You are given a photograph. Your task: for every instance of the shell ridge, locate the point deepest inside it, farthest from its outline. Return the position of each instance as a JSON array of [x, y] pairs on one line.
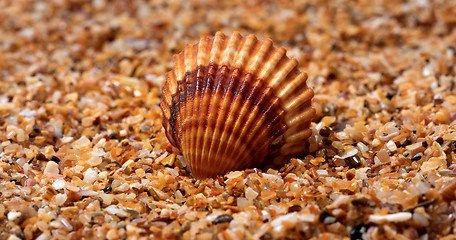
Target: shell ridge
[[175, 119], [167, 91], [263, 146], [175, 110], [267, 68], [234, 112], [284, 68], [182, 113], [189, 59], [297, 83], [195, 109], [252, 66], [299, 100], [295, 137], [191, 89], [166, 125], [220, 97], [204, 113], [179, 68], [234, 136], [296, 147], [265, 112], [212, 113], [246, 47], [296, 119], [244, 119], [217, 45], [202, 54], [184, 89], [228, 96], [220, 43], [230, 49], [198, 105], [242, 144], [263, 108], [205, 116]]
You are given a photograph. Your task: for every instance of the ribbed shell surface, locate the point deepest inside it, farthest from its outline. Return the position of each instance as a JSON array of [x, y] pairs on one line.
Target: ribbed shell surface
[[233, 102]]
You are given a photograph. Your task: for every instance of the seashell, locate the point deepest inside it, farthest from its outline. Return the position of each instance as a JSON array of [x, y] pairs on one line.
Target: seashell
[[233, 102]]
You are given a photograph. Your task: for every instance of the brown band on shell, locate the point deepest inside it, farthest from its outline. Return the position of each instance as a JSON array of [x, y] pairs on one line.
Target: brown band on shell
[[226, 82]]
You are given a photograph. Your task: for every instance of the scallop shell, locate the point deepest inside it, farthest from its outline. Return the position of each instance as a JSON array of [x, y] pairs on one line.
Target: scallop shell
[[233, 102]]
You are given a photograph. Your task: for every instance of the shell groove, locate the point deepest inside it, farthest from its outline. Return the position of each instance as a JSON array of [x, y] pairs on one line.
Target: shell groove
[[233, 102]]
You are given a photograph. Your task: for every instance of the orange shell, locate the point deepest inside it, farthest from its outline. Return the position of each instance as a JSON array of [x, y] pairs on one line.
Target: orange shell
[[233, 102]]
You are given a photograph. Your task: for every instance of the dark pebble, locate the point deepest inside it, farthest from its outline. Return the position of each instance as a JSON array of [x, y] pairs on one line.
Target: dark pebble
[[96, 121], [165, 219], [357, 232], [354, 161], [363, 202], [17, 182], [294, 208], [327, 142], [55, 159], [222, 183], [437, 99], [41, 157], [417, 157], [266, 236], [339, 126], [422, 198], [36, 166], [182, 191], [391, 94], [107, 189], [324, 217], [439, 140], [325, 131], [424, 144], [112, 136], [35, 131], [114, 164], [225, 218]]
